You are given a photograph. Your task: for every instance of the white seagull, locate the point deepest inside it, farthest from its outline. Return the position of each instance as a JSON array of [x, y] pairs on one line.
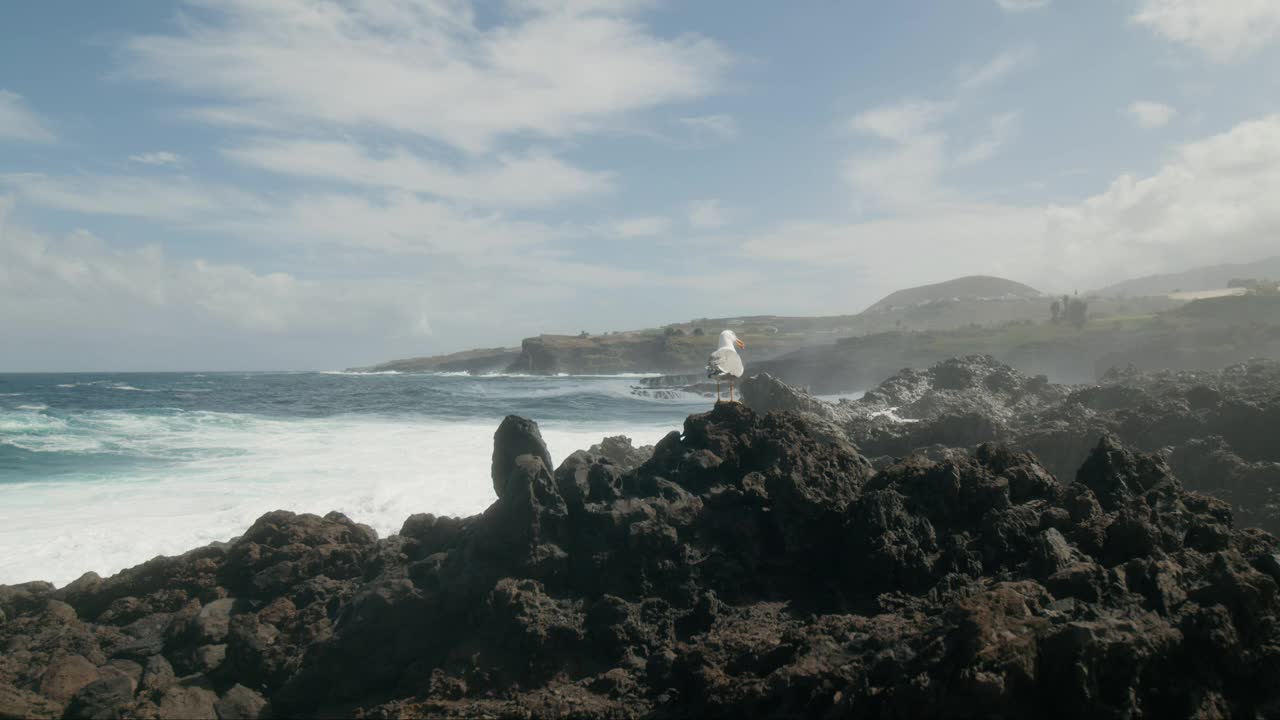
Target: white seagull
[[725, 363]]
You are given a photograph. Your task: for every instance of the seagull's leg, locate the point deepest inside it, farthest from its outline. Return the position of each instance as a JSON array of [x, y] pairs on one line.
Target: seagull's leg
[[731, 390], [717, 392]]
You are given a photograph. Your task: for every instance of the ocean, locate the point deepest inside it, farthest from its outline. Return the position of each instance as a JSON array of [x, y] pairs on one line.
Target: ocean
[[104, 471]]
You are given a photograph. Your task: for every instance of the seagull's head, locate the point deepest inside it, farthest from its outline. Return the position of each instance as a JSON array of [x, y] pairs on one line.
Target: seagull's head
[[729, 338]]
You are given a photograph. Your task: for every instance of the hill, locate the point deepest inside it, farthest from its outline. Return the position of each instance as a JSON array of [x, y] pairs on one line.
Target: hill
[[972, 287], [683, 347], [1210, 277], [1204, 334]]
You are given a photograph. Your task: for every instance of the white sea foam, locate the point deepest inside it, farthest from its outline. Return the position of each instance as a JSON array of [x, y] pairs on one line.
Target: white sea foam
[[130, 388], [360, 372], [218, 472], [37, 407], [557, 375], [19, 426], [892, 414]]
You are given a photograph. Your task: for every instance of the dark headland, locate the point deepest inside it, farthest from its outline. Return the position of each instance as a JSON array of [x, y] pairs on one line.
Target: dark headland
[[1023, 549]]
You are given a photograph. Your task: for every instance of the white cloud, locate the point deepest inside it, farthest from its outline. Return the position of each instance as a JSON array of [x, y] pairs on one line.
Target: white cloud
[[707, 214], [902, 177], [531, 179], [72, 300], [18, 122], [1225, 30], [1021, 5], [427, 69], [638, 227], [391, 223], [900, 121], [1211, 200], [394, 223], [997, 69], [908, 173], [1003, 128], [157, 158], [1150, 115], [723, 126], [79, 284], [164, 198], [944, 242]]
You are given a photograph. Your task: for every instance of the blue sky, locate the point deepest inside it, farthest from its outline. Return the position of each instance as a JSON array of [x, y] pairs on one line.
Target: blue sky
[[286, 184]]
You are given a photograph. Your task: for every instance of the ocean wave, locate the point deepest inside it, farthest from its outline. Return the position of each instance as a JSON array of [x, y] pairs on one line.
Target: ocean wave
[[130, 388], [17, 428], [361, 372], [37, 407], [572, 376], [530, 376], [223, 471]]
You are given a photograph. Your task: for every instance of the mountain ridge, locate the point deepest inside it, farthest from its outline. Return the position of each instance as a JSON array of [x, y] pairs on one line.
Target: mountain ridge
[[1204, 277]]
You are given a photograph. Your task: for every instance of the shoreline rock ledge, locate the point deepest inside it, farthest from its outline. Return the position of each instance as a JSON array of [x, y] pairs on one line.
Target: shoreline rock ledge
[[746, 568]]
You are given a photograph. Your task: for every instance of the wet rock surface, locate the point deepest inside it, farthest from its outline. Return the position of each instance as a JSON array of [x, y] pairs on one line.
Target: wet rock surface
[[749, 566]]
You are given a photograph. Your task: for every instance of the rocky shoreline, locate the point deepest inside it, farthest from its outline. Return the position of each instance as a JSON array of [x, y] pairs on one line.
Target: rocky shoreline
[[800, 562], [1218, 430]]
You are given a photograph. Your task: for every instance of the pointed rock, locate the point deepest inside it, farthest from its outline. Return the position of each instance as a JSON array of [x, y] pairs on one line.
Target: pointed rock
[[516, 436]]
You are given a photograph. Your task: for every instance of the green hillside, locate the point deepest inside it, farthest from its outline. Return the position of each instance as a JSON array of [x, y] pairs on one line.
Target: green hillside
[[972, 287]]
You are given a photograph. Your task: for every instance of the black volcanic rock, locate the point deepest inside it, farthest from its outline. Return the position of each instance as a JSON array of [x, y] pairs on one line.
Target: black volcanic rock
[[749, 567], [619, 450], [1216, 430], [516, 436], [970, 385]]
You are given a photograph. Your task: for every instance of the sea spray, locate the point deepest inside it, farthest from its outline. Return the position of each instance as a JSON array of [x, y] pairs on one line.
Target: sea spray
[[98, 479]]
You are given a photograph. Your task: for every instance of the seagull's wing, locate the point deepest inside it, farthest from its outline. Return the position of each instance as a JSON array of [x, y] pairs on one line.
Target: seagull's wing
[[725, 361]]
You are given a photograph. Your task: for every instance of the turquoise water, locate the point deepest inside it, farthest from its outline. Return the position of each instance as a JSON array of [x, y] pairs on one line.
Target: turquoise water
[[102, 471]]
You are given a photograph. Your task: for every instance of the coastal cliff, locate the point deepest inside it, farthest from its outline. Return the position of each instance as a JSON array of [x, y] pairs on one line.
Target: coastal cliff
[[632, 353], [847, 353], [753, 563]]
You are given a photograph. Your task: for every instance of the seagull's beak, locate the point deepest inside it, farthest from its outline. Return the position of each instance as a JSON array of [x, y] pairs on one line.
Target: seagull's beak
[[739, 343]]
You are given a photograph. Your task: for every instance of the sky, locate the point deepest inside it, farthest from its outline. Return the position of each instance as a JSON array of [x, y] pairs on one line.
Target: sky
[[301, 184]]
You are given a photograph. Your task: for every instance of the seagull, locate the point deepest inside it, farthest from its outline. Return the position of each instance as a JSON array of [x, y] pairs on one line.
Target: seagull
[[725, 363]]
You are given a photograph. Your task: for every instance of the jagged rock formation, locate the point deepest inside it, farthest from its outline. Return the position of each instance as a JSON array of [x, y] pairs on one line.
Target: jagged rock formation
[[619, 450], [746, 568], [1217, 429]]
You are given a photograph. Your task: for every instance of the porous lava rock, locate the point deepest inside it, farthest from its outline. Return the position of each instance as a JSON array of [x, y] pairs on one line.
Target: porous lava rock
[[749, 567]]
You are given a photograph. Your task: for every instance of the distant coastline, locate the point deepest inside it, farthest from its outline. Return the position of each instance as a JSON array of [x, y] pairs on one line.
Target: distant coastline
[[844, 353]]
